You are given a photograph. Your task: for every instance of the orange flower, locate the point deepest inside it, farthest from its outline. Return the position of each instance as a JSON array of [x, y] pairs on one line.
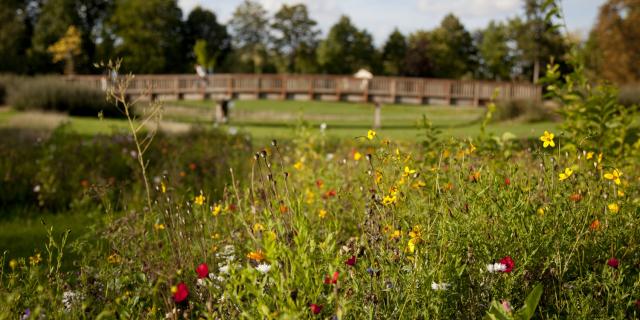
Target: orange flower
[[256, 255], [576, 197], [595, 225], [283, 208]]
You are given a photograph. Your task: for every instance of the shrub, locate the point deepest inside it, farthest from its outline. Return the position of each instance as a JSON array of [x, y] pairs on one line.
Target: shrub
[[524, 110], [52, 94]]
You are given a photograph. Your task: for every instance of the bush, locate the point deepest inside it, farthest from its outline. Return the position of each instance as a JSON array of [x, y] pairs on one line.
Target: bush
[[52, 94], [629, 95], [524, 110]]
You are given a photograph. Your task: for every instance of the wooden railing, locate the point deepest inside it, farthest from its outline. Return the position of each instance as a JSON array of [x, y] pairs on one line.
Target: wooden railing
[[318, 87]]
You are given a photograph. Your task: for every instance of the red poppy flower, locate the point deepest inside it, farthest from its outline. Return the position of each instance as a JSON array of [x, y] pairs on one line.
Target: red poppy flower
[[507, 181], [329, 194], [181, 293], [351, 261], [233, 207], [319, 183], [507, 261], [202, 270], [613, 263], [331, 280], [315, 308]]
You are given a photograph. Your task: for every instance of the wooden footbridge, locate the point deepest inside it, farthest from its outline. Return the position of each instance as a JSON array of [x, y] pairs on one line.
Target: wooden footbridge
[[318, 87]]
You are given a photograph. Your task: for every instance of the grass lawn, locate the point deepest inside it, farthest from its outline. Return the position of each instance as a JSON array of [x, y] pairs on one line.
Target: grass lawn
[[265, 119]]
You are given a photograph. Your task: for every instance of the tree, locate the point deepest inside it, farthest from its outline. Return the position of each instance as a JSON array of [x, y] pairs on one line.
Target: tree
[[537, 39], [250, 29], [54, 19], [617, 39], [209, 40], [393, 53], [14, 37], [67, 49], [495, 54], [417, 61], [294, 37], [346, 49], [452, 51], [149, 33]]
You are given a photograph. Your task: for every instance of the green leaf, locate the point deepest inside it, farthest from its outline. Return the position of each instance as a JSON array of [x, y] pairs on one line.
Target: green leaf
[[530, 304]]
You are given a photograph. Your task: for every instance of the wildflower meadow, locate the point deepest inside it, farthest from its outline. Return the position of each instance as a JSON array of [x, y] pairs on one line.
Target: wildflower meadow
[[214, 225]]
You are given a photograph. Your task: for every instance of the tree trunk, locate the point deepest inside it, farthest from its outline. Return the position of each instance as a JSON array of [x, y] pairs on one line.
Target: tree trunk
[[536, 71]]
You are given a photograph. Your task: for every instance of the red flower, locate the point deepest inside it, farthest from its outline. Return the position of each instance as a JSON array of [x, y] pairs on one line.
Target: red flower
[[331, 280], [613, 263], [315, 308], [319, 183], [351, 261], [576, 197], [329, 194], [507, 181], [181, 293], [202, 270], [507, 261]]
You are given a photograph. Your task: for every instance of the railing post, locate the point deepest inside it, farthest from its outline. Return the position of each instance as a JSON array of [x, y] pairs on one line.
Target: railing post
[[283, 89], [310, 89], [476, 94], [393, 90], [448, 87]]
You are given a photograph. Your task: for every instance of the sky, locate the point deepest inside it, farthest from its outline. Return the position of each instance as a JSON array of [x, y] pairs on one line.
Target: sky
[[380, 17]]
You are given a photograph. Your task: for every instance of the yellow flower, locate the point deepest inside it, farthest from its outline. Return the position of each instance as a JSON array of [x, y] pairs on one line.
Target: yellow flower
[[589, 155], [378, 176], [566, 174], [158, 226], [620, 193], [408, 171], [547, 139], [357, 155], [310, 196], [411, 245], [388, 200], [614, 175], [371, 134], [13, 264], [256, 255], [35, 260], [418, 184], [257, 228], [322, 213], [541, 211], [174, 289], [395, 235], [114, 258], [613, 207], [416, 233], [298, 165], [216, 210], [472, 148], [199, 200], [163, 187]]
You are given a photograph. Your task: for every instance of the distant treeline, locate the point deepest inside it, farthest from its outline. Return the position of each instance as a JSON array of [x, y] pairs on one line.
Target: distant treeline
[[153, 36]]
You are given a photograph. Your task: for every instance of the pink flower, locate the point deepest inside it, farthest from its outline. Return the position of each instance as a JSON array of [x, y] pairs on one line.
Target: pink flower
[[315, 308], [351, 261], [202, 270], [613, 263], [508, 262]]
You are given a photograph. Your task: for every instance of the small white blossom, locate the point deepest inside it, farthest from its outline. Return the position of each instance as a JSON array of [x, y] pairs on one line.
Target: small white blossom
[[496, 267], [440, 286], [263, 267], [36, 189], [323, 127], [200, 282], [233, 131], [224, 269]]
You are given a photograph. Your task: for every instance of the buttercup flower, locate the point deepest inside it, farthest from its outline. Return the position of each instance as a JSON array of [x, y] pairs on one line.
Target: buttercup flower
[[547, 139], [216, 209], [298, 165], [202, 270], [322, 213], [614, 176], [357, 155], [371, 134], [199, 200], [408, 171], [158, 226], [613, 207], [35, 259], [566, 174]]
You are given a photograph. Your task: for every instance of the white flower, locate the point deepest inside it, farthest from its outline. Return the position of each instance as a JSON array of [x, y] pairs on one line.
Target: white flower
[[224, 269], [200, 282], [323, 127], [233, 131], [69, 298], [496, 267], [440, 286], [36, 189], [329, 156], [263, 267]]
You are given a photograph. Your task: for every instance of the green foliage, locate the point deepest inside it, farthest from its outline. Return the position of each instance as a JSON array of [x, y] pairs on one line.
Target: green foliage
[[495, 54], [295, 35], [526, 111], [394, 52], [502, 311], [347, 49], [250, 29], [203, 31], [150, 34]]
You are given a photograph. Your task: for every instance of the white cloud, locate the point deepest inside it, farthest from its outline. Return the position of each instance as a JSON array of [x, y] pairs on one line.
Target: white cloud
[[468, 8]]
